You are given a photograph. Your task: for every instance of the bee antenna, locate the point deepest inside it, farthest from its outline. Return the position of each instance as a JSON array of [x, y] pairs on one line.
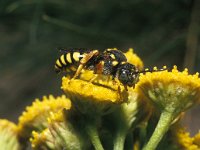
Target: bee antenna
[[152, 70], [60, 49]]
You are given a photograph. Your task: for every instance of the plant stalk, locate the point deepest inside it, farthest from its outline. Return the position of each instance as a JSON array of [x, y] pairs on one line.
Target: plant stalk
[[120, 139], [162, 127], [94, 136]]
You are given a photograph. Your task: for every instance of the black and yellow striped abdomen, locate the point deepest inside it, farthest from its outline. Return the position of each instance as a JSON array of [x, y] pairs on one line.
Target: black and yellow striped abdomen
[[69, 61]]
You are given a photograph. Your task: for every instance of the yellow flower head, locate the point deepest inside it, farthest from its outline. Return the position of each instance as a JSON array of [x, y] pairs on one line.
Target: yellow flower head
[[172, 91], [5, 124], [60, 134], [185, 142], [93, 97], [35, 116], [197, 139], [45, 138], [8, 135], [134, 59], [56, 117], [39, 140]]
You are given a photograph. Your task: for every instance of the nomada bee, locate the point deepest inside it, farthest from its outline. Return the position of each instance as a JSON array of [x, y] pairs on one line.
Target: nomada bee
[[110, 62]]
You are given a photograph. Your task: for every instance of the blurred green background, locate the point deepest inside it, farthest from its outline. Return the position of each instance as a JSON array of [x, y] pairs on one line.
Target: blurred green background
[[161, 33]]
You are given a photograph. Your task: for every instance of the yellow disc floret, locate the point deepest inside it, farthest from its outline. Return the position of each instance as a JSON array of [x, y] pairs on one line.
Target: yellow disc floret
[[91, 97], [197, 139], [60, 134], [170, 90], [185, 141], [35, 116], [134, 59]]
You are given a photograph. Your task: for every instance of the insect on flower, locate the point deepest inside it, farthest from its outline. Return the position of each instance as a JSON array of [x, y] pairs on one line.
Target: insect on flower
[[110, 62]]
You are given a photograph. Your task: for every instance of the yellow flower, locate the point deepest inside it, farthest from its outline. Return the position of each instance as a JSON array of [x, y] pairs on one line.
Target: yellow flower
[[39, 139], [185, 142], [59, 135], [134, 59], [93, 97], [170, 90], [8, 136], [35, 116], [197, 139]]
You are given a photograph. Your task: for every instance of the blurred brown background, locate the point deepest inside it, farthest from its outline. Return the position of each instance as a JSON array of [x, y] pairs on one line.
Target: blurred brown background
[[161, 32]]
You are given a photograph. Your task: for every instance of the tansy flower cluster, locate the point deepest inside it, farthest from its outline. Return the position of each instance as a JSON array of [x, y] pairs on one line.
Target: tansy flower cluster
[[185, 141], [103, 115]]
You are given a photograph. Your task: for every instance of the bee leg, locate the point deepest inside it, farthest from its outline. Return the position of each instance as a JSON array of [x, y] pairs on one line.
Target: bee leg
[[108, 79], [78, 71], [118, 87], [119, 92], [83, 61], [114, 82], [125, 87], [98, 71], [93, 78]]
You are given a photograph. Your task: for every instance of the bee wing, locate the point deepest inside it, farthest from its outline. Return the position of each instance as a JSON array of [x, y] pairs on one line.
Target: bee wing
[[67, 50]]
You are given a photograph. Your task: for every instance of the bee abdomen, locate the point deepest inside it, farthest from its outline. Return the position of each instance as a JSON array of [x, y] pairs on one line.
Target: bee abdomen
[[67, 62]]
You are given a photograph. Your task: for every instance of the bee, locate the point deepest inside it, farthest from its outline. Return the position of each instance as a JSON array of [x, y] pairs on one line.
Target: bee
[[110, 62]]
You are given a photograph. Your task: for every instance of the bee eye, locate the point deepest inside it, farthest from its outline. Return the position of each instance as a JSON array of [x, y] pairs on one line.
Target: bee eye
[[123, 72]]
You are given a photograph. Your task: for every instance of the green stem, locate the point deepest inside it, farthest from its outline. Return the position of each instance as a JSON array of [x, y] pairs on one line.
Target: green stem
[[120, 139], [94, 136], [163, 125]]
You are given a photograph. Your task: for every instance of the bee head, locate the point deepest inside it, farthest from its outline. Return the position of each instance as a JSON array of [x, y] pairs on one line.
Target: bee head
[[128, 74]]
